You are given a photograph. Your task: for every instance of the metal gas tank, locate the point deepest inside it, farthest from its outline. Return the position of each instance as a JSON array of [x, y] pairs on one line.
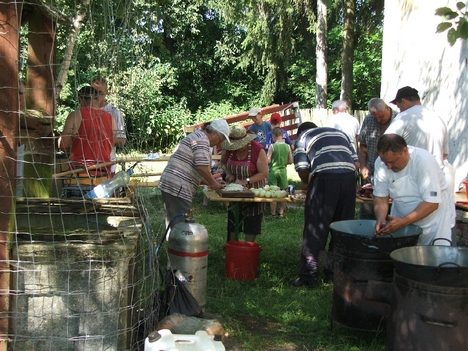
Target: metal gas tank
[[188, 257]]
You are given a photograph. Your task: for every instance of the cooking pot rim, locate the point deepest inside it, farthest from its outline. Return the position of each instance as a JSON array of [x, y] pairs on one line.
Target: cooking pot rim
[[415, 252], [407, 231]]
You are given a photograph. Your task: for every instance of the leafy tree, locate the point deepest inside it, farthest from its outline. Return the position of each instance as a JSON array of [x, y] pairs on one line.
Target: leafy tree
[[455, 21]]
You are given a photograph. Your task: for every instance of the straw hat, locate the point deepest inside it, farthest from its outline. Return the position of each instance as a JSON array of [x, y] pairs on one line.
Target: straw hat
[[239, 138]]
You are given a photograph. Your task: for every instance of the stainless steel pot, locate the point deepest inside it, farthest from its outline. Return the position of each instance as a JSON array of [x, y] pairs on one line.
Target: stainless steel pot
[[437, 265], [357, 236]]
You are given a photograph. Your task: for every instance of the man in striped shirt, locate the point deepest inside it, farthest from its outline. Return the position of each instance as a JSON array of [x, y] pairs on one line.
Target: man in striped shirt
[[326, 163]]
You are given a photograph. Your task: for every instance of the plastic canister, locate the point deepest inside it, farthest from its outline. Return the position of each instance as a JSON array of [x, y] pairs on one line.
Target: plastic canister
[[164, 340]]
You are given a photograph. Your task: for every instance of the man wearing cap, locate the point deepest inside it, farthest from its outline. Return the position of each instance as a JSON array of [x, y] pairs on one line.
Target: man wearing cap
[[275, 121], [418, 125], [188, 167], [259, 127], [343, 121]]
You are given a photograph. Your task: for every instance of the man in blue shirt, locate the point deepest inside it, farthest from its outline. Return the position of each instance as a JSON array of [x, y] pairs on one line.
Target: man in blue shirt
[[259, 127], [326, 162]]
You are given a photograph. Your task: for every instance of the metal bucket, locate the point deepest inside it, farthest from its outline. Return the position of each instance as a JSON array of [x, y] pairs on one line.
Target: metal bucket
[[359, 256]]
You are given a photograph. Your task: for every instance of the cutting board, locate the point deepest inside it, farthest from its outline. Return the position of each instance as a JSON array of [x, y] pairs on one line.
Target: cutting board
[[246, 193]]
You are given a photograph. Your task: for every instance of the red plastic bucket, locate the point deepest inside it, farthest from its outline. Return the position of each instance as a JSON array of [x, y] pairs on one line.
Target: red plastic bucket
[[242, 259]]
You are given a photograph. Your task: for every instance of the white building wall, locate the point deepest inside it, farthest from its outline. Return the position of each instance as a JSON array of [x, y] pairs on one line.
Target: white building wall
[[415, 55]]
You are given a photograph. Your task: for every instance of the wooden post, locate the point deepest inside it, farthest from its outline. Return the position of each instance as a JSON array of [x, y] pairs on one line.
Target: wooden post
[[40, 150], [9, 106]]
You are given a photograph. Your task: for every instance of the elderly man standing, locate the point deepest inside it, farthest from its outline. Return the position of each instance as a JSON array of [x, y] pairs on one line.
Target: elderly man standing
[[343, 121], [419, 126], [374, 125], [415, 182], [100, 84], [259, 126]]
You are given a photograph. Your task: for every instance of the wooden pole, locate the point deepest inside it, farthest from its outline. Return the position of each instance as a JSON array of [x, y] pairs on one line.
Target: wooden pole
[[40, 82], [9, 121]]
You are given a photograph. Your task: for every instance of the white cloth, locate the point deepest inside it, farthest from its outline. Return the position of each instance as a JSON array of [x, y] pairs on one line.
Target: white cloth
[[115, 112], [421, 180], [421, 127], [347, 124]]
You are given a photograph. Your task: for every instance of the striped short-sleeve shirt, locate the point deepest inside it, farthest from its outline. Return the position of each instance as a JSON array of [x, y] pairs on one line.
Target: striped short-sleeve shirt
[[325, 150], [180, 177]]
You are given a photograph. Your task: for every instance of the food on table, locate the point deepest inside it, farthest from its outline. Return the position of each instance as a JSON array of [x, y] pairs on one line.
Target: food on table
[[234, 187], [269, 191]]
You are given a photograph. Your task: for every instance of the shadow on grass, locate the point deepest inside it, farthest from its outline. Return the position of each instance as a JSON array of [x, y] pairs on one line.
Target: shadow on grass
[[268, 313]]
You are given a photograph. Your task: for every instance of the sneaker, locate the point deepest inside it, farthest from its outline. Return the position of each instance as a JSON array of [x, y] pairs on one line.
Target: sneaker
[[298, 282]]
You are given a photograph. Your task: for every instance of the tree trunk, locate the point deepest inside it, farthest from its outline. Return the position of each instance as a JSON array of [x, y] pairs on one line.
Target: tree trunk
[[321, 56], [69, 51], [347, 56]]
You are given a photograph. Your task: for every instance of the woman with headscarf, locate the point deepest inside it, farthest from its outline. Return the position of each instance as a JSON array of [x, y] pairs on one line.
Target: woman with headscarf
[[245, 162]]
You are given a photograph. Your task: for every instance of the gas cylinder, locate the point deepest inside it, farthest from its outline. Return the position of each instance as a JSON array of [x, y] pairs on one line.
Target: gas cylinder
[[188, 257]]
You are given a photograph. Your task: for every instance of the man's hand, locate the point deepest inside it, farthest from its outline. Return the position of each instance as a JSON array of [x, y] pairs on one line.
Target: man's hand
[[364, 172], [392, 225]]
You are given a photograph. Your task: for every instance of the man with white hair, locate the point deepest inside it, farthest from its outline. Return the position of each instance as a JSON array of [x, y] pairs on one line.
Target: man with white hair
[[343, 121]]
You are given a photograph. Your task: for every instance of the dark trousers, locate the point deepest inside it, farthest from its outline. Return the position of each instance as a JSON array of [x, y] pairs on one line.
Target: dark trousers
[[330, 197]]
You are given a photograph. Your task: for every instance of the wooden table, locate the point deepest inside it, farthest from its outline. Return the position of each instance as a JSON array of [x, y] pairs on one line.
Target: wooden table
[[234, 203]]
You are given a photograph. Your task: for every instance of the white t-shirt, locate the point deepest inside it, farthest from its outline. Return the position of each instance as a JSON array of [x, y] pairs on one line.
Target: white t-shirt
[[421, 127], [421, 180], [346, 123], [115, 112]]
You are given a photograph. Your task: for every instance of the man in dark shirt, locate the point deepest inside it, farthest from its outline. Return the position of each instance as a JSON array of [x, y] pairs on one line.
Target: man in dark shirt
[[326, 162]]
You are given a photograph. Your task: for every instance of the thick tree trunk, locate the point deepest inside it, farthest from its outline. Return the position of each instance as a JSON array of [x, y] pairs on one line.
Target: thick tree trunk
[[347, 56], [321, 56], [70, 47], [9, 112]]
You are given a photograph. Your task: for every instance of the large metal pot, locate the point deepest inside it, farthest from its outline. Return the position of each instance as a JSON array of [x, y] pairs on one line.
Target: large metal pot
[[423, 317], [357, 236], [359, 256], [437, 265]]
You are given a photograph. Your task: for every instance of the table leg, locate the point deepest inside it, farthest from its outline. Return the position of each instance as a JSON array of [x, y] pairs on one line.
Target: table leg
[[234, 207]]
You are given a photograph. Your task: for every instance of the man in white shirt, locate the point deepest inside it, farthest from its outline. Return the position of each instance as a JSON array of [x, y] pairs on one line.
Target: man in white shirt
[[419, 126], [412, 178], [100, 84], [343, 121]]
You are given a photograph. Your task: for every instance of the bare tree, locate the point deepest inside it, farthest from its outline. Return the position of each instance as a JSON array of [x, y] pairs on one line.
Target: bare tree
[[321, 56], [347, 56], [81, 13]]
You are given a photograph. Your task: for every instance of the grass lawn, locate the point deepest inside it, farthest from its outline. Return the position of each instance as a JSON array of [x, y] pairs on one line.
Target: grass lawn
[[268, 313]]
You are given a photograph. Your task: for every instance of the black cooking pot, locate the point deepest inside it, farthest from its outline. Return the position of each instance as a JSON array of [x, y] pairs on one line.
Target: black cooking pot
[[357, 236], [436, 265]]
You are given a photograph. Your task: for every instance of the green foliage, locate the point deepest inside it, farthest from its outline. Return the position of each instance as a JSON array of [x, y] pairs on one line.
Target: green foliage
[[205, 59], [154, 119], [455, 21]]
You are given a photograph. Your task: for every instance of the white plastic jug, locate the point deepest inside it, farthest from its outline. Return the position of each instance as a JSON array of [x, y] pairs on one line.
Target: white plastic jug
[[166, 341]]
